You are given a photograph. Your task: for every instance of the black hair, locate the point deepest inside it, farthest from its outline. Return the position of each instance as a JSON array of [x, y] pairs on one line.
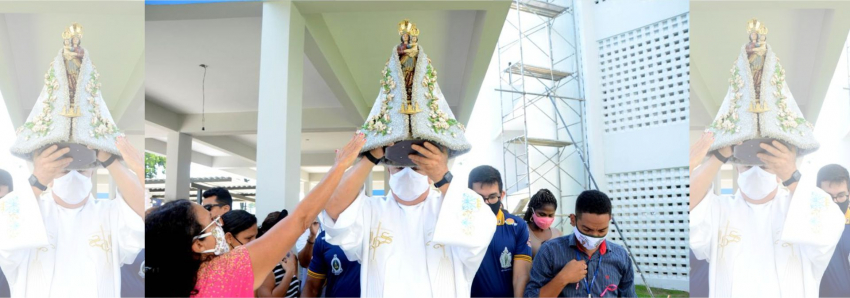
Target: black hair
[[592, 201], [486, 175], [173, 266], [834, 174], [6, 179], [222, 196], [272, 219], [237, 221], [542, 198]]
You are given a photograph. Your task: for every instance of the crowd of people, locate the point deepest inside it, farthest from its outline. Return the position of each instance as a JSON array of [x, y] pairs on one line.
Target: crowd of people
[[411, 243]]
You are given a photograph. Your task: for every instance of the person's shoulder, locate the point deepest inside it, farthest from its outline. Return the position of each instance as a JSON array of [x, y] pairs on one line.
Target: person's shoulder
[[616, 248], [554, 244]]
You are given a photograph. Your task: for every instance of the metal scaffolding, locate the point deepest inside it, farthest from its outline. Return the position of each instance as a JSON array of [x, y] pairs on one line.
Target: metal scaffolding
[[540, 82]]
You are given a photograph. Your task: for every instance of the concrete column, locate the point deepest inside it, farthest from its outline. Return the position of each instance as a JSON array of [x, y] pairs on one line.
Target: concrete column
[[386, 182], [113, 188], [279, 117], [369, 183], [94, 181], [178, 158]]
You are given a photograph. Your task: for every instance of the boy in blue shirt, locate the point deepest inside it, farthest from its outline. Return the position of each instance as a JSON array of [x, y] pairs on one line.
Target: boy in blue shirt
[[330, 263], [507, 261]]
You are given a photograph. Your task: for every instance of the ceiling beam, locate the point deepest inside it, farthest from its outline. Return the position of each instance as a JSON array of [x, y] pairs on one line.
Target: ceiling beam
[[486, 30], [159, 147], [8, 77], [162, 116], [321, 48], [229, 145]]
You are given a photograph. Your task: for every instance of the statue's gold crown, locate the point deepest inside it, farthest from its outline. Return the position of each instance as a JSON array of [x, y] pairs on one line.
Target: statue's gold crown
[[66, 34], [755, 25], [76, 30], [406, 26]]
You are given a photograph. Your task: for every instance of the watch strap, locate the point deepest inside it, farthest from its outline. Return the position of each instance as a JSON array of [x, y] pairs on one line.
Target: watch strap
[[443, 181], [794, 178], [109, 161], [371, 158], [720, 157], [34, 182]]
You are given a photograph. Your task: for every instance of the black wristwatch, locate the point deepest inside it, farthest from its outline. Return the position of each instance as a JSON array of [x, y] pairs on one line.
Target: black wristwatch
[[720, 157], [794, 178], [446, 179], [371, 158], [34, 182], [108, 161]]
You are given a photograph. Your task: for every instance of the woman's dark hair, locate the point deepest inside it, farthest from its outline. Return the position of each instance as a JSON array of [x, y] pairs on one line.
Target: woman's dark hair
[[272, 219], [542, 198], [237, 221], [172, 266]]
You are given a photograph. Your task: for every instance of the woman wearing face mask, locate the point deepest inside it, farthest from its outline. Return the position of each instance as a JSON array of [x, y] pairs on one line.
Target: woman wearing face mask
[[191, 254], [240, 228], [540, 215]]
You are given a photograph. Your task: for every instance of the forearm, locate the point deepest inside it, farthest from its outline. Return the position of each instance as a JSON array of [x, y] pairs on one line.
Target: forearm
[[553, 288], [520, 276], [701, 180], [349, 188], [306, 253], [128, 183], [268, 250]]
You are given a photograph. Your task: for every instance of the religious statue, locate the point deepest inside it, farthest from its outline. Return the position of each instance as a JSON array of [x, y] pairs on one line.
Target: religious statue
[[408, 51], [756, 50], [73, 54]]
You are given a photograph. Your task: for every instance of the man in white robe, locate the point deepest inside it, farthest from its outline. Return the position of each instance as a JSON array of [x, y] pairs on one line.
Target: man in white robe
[[51, 248], [416, 241], [773, 238]]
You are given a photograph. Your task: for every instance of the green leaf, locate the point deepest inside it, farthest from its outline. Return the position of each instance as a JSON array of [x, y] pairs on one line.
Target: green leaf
[[451, 121], [29, 125]]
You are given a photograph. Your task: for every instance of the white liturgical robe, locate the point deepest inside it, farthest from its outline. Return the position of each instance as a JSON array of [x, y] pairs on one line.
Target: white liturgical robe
[[432, 249], [50, 251], [776, 249]]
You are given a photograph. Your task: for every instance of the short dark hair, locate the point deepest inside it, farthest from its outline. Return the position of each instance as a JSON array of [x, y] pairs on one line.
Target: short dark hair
[[222, 196], [6, 179], [486, 175], [593, 201], [834, 174], [237, 221], [272, 219], [542, 198]]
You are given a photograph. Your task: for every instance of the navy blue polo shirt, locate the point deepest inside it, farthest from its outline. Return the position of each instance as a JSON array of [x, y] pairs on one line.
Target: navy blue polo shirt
[[610, 264], [342, 277], [836, 278], [510, 242]]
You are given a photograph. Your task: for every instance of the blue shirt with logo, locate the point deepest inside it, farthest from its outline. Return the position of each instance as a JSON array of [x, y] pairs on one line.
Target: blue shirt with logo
[[510, 242], [342, 277]]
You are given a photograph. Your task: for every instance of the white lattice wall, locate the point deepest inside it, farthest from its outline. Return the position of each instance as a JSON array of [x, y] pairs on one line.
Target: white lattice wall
[[644, 75], [651, 208]]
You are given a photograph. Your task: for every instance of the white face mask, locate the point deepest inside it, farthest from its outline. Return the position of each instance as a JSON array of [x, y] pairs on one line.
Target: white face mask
[[408, 185], [221, 246], [72, 188], [757, 183], [588, 242]]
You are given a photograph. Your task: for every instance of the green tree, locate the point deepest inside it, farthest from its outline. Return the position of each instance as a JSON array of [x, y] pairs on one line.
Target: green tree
[[154, 164]]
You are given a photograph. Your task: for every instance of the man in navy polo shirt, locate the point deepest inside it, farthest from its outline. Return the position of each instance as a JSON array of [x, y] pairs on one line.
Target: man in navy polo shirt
[[583, 263], [507, 261], [329, 263]]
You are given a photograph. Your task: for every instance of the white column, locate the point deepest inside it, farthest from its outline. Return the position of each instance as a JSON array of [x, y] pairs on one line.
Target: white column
[[369, 183], [386, 181], [113, 188], [178, 158], [279, 117], [94, 182]]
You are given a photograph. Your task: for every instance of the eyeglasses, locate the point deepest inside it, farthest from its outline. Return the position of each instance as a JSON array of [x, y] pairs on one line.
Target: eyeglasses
[[216, 221], [210, 206], [840, 196], [491, 197]]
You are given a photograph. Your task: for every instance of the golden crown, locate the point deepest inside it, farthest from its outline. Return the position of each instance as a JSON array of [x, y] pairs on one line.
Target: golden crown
[[406, 26], [76, 30], [756, 26], [66, 34]]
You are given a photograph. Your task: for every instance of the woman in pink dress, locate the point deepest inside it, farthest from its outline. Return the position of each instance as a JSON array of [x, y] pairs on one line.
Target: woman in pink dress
[[188, 254]]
